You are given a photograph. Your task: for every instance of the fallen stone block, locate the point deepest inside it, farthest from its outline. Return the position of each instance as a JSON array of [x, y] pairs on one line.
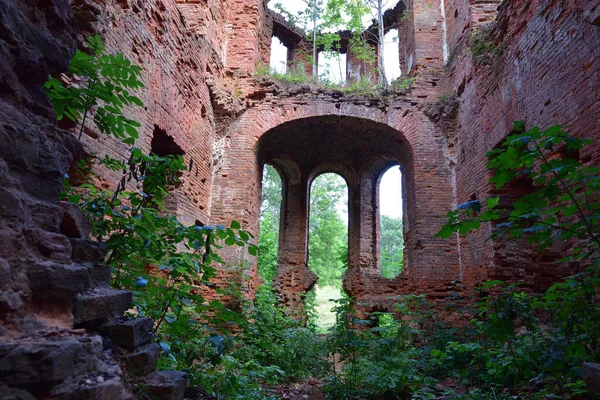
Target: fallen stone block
[[143, 361], [166, 385], [591, 376]]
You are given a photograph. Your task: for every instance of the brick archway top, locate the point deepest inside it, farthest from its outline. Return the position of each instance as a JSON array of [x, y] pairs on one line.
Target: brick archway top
[[345, 145], [257, 121]]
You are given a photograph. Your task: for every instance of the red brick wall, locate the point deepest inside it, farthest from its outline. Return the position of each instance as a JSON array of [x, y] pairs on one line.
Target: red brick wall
[[176, 98], [426, 163], [547, 72], [199, 59]]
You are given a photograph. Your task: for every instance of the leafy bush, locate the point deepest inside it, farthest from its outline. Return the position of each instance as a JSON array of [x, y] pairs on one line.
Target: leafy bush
[[373, 358], [163, 262]]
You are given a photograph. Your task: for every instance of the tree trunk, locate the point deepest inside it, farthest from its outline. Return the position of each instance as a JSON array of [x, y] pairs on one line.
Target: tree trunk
[[382, 77], [314, 70]]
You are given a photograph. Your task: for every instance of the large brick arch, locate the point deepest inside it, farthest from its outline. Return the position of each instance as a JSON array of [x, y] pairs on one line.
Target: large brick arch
[[399, 133]]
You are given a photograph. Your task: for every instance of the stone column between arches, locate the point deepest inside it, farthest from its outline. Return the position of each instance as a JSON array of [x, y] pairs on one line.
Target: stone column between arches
[[293, 278]]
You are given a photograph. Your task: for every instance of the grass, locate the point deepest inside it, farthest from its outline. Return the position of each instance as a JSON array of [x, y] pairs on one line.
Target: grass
[[360, 88], [326, 317]]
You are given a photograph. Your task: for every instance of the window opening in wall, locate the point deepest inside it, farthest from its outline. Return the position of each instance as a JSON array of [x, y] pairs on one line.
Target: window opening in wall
[[387, 323], [164, 145], [268, 239], [328, 246], [332, 68], [279, 56], [391, 50], [391, 232]]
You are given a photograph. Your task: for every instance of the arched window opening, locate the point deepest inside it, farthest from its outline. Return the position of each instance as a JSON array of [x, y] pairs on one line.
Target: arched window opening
[[328, 245], [391, 232], [268, 239], [279, 56]]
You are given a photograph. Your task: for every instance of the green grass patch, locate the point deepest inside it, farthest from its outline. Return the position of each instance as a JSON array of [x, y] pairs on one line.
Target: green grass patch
[[324, 299]]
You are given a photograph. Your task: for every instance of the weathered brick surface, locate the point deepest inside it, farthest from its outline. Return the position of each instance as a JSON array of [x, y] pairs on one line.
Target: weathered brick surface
[[359, 139], [176, 98], [199, 57], [547, 72]]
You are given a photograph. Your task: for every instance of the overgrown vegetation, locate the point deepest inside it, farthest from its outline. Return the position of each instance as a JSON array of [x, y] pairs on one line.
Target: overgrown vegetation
[[517, 345], [482, 46]]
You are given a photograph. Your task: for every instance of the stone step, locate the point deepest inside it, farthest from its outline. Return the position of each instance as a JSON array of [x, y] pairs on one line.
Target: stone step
[[37, 364], [75, 224], [93, 386], [57, 281], [100, 303], [83, 250], [129, 333], [100, 275], [165, 385], [9, 393], [143, 361]]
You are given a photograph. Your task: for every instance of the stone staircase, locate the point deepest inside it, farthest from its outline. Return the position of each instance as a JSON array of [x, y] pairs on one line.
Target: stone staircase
[[105, 356]]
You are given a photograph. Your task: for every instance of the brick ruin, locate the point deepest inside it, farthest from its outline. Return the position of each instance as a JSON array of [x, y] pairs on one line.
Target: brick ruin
[[203, 102]]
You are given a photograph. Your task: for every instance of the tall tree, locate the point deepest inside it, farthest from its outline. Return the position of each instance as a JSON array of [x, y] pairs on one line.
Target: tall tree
[[353, 15], [314, 9], [379, 5]]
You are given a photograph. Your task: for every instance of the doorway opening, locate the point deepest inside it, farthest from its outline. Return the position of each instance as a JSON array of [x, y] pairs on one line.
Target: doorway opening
[[328, 246], [268, 240]]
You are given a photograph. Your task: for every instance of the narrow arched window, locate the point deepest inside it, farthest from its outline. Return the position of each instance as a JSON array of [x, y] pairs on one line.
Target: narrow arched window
[[391, 230]]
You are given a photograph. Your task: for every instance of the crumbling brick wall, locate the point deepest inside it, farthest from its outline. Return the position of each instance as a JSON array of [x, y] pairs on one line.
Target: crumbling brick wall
[[546, 71], [199, 58]]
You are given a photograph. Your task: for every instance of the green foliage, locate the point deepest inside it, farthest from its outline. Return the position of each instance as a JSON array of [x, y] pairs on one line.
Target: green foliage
[[403, 83], [375, 358], [562, 205], [391, 246], [269, 224], [535, 338], [482, 46], [294, 75], [163, 262], [105, 88], [363, 87], [328, 233], [277, 340]]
